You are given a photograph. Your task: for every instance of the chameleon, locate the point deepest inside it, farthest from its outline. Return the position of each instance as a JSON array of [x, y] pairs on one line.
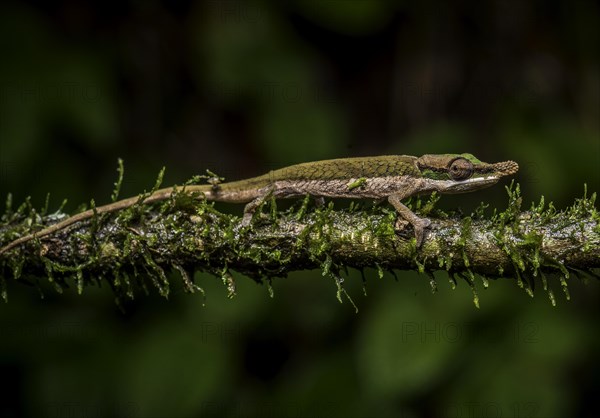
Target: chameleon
[[391, 177]]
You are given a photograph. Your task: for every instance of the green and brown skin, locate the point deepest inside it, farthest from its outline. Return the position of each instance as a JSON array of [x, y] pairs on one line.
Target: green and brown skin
[[392, 177]]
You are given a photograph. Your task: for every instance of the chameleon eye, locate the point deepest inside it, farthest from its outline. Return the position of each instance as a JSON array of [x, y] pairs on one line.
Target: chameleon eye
[[460, 169]]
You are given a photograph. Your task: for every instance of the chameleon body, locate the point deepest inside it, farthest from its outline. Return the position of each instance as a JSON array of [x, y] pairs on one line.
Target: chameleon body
[[392, 177]]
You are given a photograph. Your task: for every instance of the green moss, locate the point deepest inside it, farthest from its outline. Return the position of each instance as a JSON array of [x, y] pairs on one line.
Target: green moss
[[121, 170], [465, 236], [79, 281], [469, 277], [3, 292], [357, 183], [432, 282], [229, 282], [435, 175], [330, 269]]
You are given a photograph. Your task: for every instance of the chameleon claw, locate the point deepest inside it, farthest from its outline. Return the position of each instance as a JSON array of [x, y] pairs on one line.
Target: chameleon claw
[[419, 224], [420, 228]]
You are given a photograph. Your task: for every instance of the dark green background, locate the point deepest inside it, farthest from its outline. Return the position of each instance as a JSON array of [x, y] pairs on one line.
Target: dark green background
[[245, 87]]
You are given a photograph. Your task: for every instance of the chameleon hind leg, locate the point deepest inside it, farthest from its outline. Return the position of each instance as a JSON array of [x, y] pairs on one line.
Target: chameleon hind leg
[[251, 207], [419, 224]]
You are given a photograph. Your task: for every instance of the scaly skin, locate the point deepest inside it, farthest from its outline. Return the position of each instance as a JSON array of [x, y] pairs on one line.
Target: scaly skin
[[394, 177]]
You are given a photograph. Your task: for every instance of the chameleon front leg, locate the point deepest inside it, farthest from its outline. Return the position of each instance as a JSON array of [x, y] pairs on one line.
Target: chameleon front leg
[[419, 224]]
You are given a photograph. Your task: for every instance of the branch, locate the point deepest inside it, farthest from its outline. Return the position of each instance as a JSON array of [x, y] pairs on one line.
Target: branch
[[141, 245]]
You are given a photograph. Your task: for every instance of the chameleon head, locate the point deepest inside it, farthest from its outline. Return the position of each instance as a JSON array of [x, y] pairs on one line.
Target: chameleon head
[[461, 173]]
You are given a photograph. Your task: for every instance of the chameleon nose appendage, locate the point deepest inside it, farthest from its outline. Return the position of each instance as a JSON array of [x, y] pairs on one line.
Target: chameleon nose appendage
[[506, 168]]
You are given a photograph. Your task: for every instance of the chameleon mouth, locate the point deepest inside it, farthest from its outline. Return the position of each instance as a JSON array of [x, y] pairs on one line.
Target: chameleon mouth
[[468, 185]]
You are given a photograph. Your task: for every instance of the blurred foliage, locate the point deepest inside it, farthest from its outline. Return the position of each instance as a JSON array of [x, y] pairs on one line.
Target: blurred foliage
[[242, 87]]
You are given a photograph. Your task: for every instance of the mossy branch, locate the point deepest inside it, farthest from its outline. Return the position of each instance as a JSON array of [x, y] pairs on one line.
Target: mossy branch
[[142, 244]]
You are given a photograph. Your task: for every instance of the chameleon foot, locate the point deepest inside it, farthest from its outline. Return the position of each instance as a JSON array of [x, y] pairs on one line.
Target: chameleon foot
[[419, 225], [246, 219], [420, 228], [319, 201], [406, 215], [248, 216]]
